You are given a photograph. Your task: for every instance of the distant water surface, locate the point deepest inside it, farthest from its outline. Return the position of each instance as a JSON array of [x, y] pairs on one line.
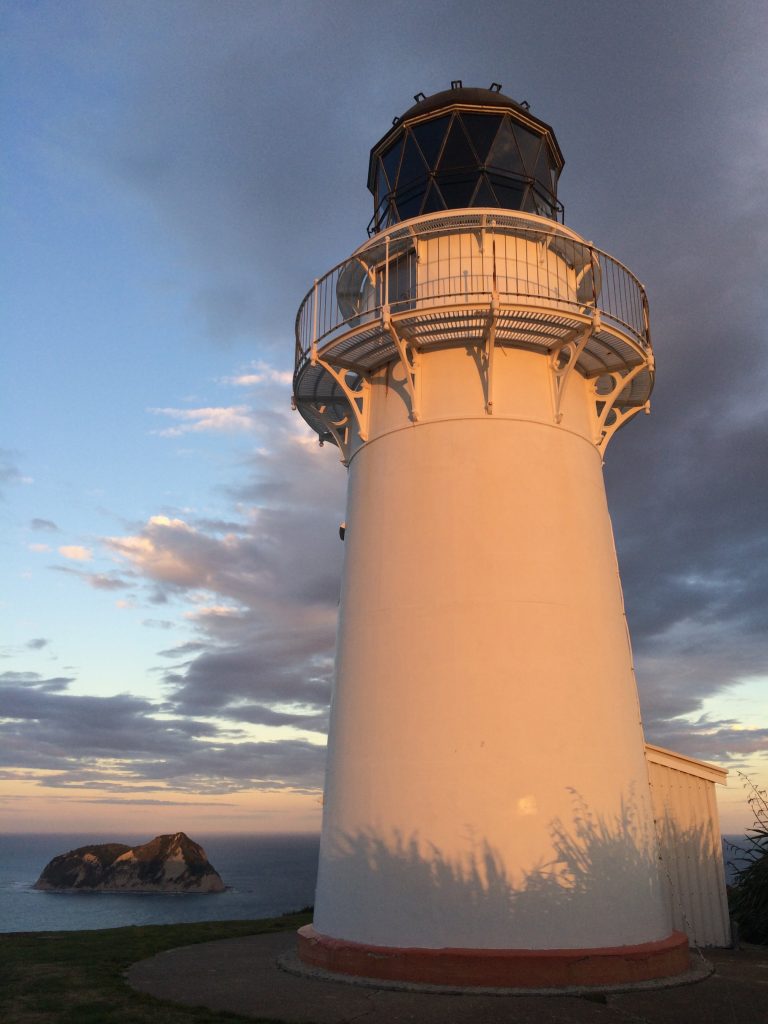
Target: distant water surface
[[266, 875], [734, 847]]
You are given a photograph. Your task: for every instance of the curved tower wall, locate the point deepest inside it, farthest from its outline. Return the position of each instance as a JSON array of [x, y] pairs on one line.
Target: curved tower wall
[[486, 782]]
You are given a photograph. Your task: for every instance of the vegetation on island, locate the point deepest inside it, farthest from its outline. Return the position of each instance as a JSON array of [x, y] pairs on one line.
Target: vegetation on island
[[748, 896], [77, 977]]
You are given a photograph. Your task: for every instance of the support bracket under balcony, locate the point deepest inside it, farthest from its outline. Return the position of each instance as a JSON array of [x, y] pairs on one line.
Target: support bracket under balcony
[[357, 395], [563, 359], [409, 360], [608, 417], [489, 340], [339, 430]]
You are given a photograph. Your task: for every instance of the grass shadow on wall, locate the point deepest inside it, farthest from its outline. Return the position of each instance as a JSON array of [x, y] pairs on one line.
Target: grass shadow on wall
[[408, 886]]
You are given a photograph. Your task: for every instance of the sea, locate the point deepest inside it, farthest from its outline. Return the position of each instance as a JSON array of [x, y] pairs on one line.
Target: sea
[[265, 875]]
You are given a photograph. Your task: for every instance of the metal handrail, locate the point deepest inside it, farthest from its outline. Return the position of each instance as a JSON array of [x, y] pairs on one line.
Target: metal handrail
[[559, 270]]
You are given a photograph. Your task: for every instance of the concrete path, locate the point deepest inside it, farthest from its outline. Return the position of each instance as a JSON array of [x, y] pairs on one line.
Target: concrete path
[[243, 976]]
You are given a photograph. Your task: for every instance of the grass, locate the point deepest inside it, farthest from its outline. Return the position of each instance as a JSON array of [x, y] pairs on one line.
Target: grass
[[748, 897], [77, 977]]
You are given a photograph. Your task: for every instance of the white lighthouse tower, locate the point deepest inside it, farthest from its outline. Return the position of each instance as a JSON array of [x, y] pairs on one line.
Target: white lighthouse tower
[[487, 815]]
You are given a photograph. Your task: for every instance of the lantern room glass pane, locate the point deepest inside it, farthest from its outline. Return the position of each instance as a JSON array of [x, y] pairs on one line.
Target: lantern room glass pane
[[391, 160], [504, 153], [528, 202], [457, 152], [484, 195], [382, 185], [542, 206], [481, 129], [412, 165], [434, 200], [430, 135], [409, 202], [509, 192], [530, 146], [541, 171], [457, 190]]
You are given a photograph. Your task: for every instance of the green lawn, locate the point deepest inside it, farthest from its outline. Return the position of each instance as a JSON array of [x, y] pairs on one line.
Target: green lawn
[[76, 977]]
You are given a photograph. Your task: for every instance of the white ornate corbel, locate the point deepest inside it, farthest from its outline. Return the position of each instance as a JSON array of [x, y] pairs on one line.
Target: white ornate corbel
[[563, 359]]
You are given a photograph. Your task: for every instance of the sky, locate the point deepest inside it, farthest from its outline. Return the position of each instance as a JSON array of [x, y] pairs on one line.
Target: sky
[[175, 175]]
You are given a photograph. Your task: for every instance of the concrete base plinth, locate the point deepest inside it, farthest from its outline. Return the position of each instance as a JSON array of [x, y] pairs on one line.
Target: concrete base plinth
[[503, 968]]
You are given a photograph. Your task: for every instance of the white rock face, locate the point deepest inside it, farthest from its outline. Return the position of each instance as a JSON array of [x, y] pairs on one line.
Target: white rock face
[[170, 863]]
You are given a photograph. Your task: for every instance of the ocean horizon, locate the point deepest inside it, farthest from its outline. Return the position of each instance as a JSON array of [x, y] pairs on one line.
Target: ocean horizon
[[265, 874]]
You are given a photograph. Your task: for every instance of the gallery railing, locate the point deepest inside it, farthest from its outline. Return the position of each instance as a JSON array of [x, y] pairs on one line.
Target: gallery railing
[[470, 259]]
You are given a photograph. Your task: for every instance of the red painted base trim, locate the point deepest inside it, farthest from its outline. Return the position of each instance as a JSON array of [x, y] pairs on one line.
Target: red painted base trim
[[498, 968]]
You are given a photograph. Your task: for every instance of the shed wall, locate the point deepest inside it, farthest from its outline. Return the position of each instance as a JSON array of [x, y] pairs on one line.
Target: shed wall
[[690, 845]]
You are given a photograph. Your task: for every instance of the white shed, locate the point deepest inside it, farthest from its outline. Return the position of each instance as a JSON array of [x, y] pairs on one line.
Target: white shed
[[688, 827]]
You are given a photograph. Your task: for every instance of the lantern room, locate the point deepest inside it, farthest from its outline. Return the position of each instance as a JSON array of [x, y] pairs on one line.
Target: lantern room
[[464, 148]]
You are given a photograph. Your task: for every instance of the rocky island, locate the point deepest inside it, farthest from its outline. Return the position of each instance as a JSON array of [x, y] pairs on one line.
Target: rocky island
[[172, 863]]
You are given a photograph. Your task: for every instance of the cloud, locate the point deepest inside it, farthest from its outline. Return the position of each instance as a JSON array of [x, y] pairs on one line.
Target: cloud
[[76, 553], [261, 594], [9, 471], [44, 526], [182, 650], [97, 580], [38, 643], [686, 500], [714, 741], [260, 373], [149, 802], [34, 681], [209, 612], [239, 148], [216, 419], [174, 554], [39, 548], [125, 743]]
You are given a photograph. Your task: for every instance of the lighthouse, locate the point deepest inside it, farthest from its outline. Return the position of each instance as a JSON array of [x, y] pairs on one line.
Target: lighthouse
[[487, 816]]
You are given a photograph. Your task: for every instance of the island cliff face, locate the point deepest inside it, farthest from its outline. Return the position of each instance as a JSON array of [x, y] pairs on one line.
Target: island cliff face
[[171, 863]]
